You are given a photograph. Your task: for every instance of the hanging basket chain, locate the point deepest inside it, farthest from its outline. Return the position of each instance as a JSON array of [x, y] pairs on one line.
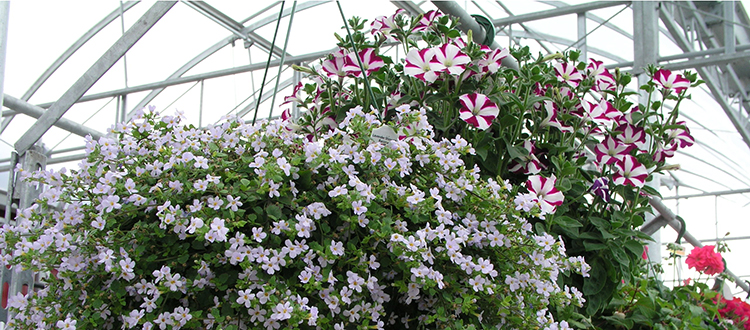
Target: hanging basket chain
[[283, 55], [359, 60], [268, 63]]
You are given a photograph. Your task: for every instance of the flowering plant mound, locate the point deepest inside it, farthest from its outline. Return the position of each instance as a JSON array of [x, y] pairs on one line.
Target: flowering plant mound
[[245, 225], [557, 126], [705, 260]]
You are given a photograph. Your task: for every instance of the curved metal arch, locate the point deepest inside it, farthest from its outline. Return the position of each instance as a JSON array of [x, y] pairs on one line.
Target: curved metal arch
[[219, 45], [68, 53]]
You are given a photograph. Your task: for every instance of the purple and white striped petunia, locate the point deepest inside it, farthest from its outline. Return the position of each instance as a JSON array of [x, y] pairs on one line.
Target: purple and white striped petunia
[[478, 110], [370, 61], [419, 64], [600, 188], [567, 72], [669, 80], [451, 59], [630, 172], [386, 24], [547, 195]]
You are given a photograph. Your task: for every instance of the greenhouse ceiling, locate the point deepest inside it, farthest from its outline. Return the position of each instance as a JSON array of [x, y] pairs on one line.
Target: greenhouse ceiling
[[71, 71]]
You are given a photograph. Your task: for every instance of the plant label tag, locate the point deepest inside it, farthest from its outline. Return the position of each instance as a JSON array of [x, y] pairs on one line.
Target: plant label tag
[[384, 134]]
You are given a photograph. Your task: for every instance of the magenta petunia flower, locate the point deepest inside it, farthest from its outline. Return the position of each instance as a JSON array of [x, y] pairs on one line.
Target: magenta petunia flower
[[547, 195], [419, 64], [335, 66], [630, 172], [680, 135], [567, 72], [603, 80], [669, 80], [478, 110], [529, 164], [610, 151], [492, 60], [370, 61], [451, 59], [426, 21], [551, 119]]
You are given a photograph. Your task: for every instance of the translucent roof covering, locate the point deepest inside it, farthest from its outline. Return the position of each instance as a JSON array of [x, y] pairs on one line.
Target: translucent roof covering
[[209, 58]]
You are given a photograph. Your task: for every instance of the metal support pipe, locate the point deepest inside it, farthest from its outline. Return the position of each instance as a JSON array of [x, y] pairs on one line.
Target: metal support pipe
[[466, 23], [675, 224], [716, 193], [92, 75], [31, 110], [729, 18], [567, 10], [4, 16], [582, 36]]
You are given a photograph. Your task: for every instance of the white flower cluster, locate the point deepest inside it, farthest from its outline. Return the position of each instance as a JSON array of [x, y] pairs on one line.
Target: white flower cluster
[[170, 227]]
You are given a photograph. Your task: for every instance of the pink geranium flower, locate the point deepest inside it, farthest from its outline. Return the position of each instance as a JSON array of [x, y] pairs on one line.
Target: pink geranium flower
[[669, 81], [478, 110], [630, 172], [547, 195], [419, 64], [705, 260]]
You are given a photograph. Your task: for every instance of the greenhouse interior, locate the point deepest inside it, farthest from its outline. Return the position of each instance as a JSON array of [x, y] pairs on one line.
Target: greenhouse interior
[[375, 164]]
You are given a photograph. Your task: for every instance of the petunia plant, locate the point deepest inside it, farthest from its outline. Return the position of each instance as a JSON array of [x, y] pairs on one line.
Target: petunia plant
[[557, 124]]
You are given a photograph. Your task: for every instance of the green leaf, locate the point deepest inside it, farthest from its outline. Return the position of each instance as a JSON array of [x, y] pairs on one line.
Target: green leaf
[[593, 246], [568, 222], [274, 212], [634, 246]]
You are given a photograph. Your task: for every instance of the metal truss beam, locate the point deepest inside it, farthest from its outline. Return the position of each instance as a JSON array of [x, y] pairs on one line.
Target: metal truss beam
[[735, 116], [21, 106], [199, 77], [92, 75], [233, 26], [575, 9], [68, 53]]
